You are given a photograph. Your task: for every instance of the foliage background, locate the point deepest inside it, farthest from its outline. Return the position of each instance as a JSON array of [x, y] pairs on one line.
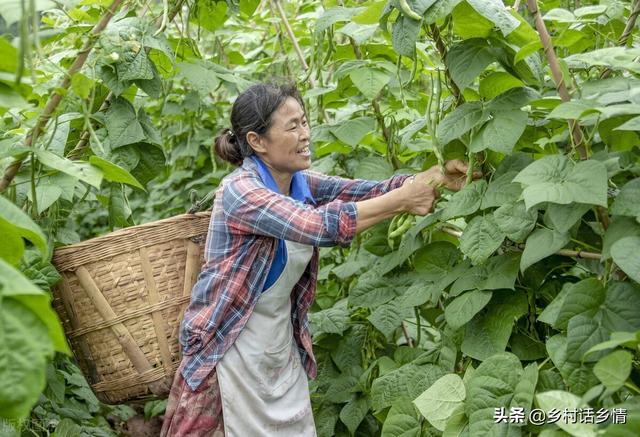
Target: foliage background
[[520, 291]]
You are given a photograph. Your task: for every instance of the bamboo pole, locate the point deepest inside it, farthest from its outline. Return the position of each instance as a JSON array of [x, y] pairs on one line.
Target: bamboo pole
[[626, 33], [292, 37], [56, 97], [554, 64]]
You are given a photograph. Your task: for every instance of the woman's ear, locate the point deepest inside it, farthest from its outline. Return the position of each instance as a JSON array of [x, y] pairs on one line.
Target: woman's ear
[[256, 143]]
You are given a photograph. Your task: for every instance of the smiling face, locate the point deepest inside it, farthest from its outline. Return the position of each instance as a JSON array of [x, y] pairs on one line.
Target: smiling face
[[284, 148]]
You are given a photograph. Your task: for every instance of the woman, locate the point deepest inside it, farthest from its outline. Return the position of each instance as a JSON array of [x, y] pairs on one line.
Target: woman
[[245, 340]]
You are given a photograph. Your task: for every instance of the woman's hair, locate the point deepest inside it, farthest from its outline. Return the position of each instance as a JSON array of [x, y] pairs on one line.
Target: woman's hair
[[252, 111]]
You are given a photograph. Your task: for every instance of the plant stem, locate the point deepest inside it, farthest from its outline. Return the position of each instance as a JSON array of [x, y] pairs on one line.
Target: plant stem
[[626, 33], [56, 98], [418, 327]]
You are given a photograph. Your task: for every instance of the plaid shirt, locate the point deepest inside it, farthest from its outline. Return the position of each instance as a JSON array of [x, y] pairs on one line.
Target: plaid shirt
[[246, 222]]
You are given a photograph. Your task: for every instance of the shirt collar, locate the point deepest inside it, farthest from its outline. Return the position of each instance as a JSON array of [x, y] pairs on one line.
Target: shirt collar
[[299, 189]]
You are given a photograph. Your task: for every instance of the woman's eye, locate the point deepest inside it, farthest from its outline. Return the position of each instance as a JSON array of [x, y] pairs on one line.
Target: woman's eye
[[304, 122]]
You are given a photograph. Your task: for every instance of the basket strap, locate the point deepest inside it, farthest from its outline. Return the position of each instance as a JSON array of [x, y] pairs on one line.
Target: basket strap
[[159, 325]]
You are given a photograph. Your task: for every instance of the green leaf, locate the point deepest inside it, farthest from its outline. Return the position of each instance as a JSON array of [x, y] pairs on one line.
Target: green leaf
[[371, 14], [501, 190], [8, 56], [335, 15], [617, 339], [584, 332], [331, 320], [406, 383], [541, 244], [137, 67], [210, 14], [501, 132], [496, 11], [467, 59], [575, 374], [373, 168], [563, 401], [387, 317], [492, 386], [489, 331], [115, 173], [401, 421], [614, 369], [621, 310], [582, 297], [151, 162], [438, 402], [23, 225], [556, 179], [515, 220], [369, 80], [405, 34], [435, 260], [12, 246], [151, 133], [440, 10], [619, 227], [633, 124], [81, 85], [563, 217], [626, 203], [625, 254], [24, 352], [464, 307], [353, 131], [481, 238], [122, 124], [200, 75], [497, 83], [526, 387], [119, 209], [464, 118], [467, 23], [81, 170], [572, 109], [354, 412], [466, 201], [617, 58]]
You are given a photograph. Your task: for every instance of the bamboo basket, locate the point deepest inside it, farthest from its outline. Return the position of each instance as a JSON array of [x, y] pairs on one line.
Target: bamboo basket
[[121, 300]]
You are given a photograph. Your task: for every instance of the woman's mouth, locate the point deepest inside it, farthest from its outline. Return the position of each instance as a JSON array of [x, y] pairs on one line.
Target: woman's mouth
[[304, 151]]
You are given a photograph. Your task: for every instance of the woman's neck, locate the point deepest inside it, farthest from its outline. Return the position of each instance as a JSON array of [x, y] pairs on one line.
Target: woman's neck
[[283, 179]]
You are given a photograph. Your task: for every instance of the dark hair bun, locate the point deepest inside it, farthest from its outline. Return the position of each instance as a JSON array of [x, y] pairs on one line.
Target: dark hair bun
[[226, 147]]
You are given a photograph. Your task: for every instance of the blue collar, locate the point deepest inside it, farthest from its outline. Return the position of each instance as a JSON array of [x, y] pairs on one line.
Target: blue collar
[[299, 189]]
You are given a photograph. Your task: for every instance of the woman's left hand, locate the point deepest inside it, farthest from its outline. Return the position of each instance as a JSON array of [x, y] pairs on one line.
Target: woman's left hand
[[453, 178]]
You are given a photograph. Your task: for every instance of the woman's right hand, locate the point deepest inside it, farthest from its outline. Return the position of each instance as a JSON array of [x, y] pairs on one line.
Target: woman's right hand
[[419, 193]]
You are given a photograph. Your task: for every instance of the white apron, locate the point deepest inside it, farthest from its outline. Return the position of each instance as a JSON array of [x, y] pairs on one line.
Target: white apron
[[263, 385]]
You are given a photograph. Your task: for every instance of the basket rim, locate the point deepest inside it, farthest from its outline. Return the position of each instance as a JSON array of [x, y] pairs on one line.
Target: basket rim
[[131, 238]]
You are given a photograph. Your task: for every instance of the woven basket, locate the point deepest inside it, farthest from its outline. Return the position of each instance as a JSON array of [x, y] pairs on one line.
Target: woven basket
[[121, 300]]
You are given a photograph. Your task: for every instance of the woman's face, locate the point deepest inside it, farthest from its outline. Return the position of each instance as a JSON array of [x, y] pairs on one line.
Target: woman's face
[[285, 146]]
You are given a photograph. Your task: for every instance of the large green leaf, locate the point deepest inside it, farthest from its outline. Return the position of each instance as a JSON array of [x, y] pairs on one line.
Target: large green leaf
[[481, 238], [563, 217], [335, 15], [353, 412], [23, 225], [515, 220], [617, 58], [626, 202], [501, 132], [582, 297], [556, 179], [81, 170], [489, 331], [501, 190], [387, 317], [584, 332], [352, 131], [24, 351], [466, 201], [496, 11], [402, 420], [492, 386], [201, 76], [541, 244], [464, 307], [625, 254], [439, 10], [575, 374], [122, 124], [563, 402], [407, 383], [405, 34], [467, 59], [369, 80], [497, 83], [331, 320], [438, 402], [12, 246], [614, 369], [499, 272], [373, 168], [464, 118], [114, 173]]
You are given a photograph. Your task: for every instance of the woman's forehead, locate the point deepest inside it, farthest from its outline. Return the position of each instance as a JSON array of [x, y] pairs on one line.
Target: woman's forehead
[[289, 110]]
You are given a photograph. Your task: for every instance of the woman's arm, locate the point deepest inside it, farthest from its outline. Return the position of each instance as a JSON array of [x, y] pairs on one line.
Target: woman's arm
[[326, 188]]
